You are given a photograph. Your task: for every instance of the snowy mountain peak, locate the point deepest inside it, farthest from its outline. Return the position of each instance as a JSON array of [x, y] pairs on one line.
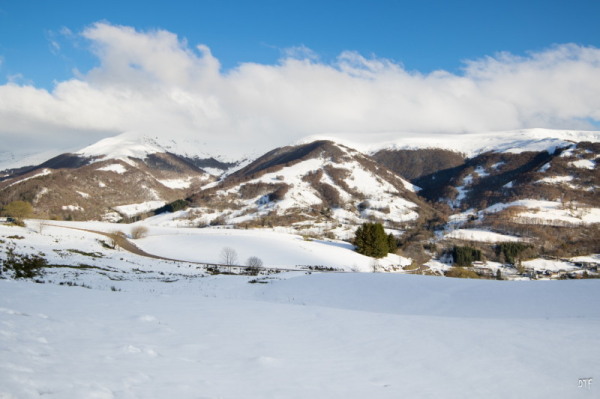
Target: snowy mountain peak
[[121, 147]]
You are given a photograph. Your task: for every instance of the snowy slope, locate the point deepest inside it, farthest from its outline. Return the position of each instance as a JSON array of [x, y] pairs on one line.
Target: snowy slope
[[301, 194], [9, 160], [549, 212], [311, 188], [275, 249], [353, 336]]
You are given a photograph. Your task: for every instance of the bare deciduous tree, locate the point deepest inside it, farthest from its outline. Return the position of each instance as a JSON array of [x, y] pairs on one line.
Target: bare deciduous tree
[[254, 261], [228, 256], [254, 264]]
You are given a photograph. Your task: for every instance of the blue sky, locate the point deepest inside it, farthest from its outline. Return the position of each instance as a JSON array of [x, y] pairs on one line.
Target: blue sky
[[267, 73], [422, 35]]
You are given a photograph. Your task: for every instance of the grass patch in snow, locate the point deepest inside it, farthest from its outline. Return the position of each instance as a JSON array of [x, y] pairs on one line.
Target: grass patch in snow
[[90, 254]]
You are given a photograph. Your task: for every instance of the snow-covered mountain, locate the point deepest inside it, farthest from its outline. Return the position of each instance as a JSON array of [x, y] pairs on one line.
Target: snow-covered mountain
[[568, 173], [513, 183], [320, 186], [468, 144], [109, 180], [540, 191]]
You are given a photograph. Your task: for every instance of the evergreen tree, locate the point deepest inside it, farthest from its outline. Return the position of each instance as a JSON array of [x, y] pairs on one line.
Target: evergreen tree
[[512, 251], [392, 243], [465, 256], [370, 240]]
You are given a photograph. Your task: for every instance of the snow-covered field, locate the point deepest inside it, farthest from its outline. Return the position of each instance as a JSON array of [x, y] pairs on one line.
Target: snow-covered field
[[274, 249], [359, 335], [151, 328], [57, 240], [481, 236]]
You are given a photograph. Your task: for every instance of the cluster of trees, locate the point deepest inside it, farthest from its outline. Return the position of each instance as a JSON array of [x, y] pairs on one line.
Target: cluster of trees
[[18, 210], [229, 257], [512, 251], [177, 205], [370, 240], [254, 264], [465, 256]]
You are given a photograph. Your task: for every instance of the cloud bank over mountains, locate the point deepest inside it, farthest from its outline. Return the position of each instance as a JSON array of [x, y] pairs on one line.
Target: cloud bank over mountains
[[155, 83]]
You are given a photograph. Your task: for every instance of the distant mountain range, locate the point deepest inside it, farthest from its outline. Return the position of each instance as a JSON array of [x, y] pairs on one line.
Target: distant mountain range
[[534, 184]]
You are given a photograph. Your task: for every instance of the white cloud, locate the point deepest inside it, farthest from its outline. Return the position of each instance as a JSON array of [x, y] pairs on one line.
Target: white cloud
[[156, 83], [300, 52]]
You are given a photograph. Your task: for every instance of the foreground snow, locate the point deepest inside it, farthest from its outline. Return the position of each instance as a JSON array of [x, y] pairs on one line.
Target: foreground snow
[[153, 328], [353, 336]]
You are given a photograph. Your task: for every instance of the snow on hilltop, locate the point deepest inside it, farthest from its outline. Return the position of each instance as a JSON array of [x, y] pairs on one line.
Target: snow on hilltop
[[470, 144], [122, 147], [140, 145]]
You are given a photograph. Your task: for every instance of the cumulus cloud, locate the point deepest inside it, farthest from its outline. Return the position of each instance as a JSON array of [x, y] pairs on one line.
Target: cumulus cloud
[[158, 84]]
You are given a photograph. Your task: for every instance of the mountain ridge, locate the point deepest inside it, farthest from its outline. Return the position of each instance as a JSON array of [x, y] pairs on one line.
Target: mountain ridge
[[524, 186]]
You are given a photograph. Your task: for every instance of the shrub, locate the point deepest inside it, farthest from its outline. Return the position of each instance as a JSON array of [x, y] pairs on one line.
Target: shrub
[[499, 275], [252, 190], [280, 193], [138, 232], [461, 272], [116, 238], [330, 195], [23, 266]]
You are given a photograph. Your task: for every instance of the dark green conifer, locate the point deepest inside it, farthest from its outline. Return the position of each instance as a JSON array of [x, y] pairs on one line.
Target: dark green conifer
[[370, 240]]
